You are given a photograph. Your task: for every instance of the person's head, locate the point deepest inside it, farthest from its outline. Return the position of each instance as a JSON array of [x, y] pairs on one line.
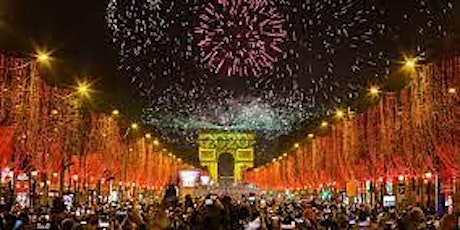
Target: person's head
[[254, 214], [226, 200], [309, 214], [416, 215], [448, 222]]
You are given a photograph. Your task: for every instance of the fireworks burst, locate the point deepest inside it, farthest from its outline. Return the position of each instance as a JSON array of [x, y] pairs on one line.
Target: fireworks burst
[[151, 39], [240, 38], [311, 55]]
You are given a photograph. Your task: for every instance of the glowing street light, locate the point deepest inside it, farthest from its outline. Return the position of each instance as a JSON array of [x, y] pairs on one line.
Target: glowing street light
[[134, 126], [156, 143], [324, 124], [374, 91], [42, 56], [311, 135], [296, 145], [452, 90], [410, 63], [115, 112], [148, 135], [83, 89], [339, 114]]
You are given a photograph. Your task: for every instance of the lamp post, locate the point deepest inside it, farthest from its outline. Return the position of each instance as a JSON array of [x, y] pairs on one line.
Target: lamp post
[[132, 127], [75, 184]]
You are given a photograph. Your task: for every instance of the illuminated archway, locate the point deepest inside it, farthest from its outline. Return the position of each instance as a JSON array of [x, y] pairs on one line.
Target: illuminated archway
[[239, 144], [225, 168]]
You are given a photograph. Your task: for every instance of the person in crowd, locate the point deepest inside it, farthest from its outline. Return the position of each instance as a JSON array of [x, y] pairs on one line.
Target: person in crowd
[[223, 211], [448, 222]]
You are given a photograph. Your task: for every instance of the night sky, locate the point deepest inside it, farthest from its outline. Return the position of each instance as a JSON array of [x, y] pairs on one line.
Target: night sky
[[315, 70]]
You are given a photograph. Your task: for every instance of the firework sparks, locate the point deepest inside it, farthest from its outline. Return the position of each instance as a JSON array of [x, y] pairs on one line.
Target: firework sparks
[[310, 55], [240, 38]]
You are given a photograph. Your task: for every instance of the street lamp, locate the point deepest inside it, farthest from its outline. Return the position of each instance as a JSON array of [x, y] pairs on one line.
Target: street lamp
[[115, 112], [83, 89], [410, 63], [43, 57], [374, 91], [134, 126], [339, 114]]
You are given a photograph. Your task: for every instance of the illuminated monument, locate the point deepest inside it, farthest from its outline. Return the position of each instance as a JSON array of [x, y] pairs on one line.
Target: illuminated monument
[[226, 154]]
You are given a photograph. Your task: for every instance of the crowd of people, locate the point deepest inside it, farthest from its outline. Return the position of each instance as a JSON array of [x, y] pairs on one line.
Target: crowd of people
[[222, 212]]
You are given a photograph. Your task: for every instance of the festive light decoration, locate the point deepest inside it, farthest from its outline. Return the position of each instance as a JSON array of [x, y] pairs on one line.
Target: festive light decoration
[[240, 38], [403, 136], [83, 147], [6, 146]]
